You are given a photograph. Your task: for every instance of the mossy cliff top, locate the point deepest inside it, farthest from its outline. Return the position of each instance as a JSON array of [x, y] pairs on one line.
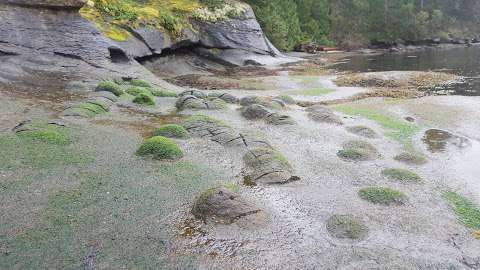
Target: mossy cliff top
[[115, 17]]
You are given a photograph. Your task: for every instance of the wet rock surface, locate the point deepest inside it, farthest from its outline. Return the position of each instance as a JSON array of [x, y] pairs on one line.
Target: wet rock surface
[[267, 166], [222, 205]]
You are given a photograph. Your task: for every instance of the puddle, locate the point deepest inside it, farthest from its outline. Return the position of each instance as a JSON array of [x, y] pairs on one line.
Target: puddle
[[438, 141]]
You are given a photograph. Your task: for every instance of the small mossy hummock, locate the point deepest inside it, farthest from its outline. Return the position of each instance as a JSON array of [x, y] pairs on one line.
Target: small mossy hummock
[[163, 93], [346, 227], [140, 83], [382, 195], [411, 158], [47, 134], [467, 212], [110, 86], [287, 99], [358, 151], [94, 108], [144, 98], [402, 175], [136, 90], [160, 147], [171, 131]]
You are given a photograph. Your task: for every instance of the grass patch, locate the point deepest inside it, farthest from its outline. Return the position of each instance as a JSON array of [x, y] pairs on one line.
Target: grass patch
[[145, 98], [467, 212], [140, 83], [110, 86], [160, 147], [402, 175], [136, 90], [346, 227], [358, 151], [204, 118], [171, 131], [382, 195], [163, 93], [399, 130], [411, 158]]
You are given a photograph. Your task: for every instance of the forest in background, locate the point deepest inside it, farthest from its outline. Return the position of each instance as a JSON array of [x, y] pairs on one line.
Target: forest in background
[[357, 23]]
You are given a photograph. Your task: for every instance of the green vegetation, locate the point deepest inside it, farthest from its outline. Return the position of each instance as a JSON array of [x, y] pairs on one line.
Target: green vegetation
[[287, 99], [110, 86], [411, 158], [46, 133], [346, 226], [160, 148], [140, 83], [259, 157], [203, 118], [94, 108], [145, 98], [399, 130], [382, 195], [352, 24], [163, 93], [136, 90], [468, 213], [358, 151], [402, 175], [171, 131]]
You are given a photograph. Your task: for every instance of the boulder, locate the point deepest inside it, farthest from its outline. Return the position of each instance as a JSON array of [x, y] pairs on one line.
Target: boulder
[[255, 111], [49, 3], [267, 166], [323, 115]]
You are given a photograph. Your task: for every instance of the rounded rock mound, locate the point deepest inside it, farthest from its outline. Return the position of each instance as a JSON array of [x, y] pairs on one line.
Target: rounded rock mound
[[222, 205]]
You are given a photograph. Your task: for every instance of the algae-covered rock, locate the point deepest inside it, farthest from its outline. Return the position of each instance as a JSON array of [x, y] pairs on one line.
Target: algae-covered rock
[[140, 83], [286, 99], [346, 227], [136, 90], [160, 147], [229, 98], [86, 109], [171, 131], [163, 93], [195, 103], [358, 151], [267, 166], [362, 131], [110, 86], [323, 114], [382, 195], [222, 205], [211, 128], [195, 93], [279, 119]]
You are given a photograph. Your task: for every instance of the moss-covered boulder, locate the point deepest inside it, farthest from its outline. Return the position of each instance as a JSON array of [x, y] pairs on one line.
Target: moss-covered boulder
[[411, 158], [222, 205], [145, 99], [171, 131], [362, 131], [402, 175], [267, 166], [85, 109], [160, 147], [140, 83], [286, 99], [322, 114], [382, 195], [346, 227], [110, 86], [136, 90], [163, 93], [279, 119], [227, 97], [255, 111], [358, 151]]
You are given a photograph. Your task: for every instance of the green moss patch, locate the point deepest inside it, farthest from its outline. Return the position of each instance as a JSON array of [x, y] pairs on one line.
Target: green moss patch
[[382, 195], [171, 131], [160, 148], [136, 90], [398, 129], [145, 98], [467, 212], [50, 134], [346, 227], [140, 83], [319, 91], [411, 158], [163, 93], [110, 86], [198, 118], [402, 175], [287, 99], [94, 108], [358, 151]]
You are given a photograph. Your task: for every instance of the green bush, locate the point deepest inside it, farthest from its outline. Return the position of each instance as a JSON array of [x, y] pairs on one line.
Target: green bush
[[382, 195], [110, 86], [171, 131], [144, 98], [160, 147]]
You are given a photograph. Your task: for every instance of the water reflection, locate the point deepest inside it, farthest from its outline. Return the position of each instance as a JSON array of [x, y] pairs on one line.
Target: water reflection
[[438, 140]]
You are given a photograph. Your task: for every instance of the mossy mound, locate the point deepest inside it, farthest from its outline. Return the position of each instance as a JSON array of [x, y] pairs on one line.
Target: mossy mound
[[145, 98], [140, 83], [199, 119], [45, 133], [358, 151], [468, 213], [222, 205], [171, 131], [362, 131], [136, 90], [411, 158], [102, 102], [382, 195], [86, 109], [402, 175], [287, 99], [163, 93], [346, 227], [110, 86], [160, 147]]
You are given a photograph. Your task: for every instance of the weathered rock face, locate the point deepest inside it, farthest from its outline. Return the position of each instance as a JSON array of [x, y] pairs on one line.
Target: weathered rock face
[[49, 3]]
